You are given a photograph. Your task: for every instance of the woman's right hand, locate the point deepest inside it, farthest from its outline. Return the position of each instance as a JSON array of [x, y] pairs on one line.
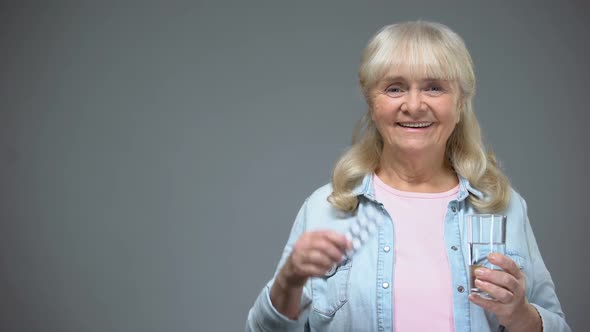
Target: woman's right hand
[[314, 254]]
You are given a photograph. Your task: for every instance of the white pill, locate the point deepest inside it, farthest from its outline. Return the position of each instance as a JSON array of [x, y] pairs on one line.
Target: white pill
[[356, 244], [349, 236], [362, 221], [370, 214], [354, 229], [349, 253], [364, 235]]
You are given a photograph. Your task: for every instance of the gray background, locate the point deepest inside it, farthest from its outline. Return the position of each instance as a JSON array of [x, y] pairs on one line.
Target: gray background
[[153, 156]]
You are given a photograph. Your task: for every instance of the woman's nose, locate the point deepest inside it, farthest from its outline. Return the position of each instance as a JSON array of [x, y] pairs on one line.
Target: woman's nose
[[413, 102]]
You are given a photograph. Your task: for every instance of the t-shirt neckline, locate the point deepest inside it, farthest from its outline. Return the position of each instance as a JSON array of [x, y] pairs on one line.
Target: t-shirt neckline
[[411, 194]]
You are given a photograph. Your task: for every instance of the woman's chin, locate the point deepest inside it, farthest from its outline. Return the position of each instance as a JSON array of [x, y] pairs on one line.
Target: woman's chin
[[415, 149]]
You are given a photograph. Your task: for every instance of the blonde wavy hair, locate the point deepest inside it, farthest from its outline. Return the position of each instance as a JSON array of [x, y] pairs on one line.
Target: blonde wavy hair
[[431, 50]]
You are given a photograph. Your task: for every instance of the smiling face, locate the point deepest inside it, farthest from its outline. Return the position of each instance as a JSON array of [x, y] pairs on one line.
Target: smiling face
[[414, 115]]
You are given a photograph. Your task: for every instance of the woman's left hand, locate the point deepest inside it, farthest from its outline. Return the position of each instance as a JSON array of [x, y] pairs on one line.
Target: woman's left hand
[[507, 287]]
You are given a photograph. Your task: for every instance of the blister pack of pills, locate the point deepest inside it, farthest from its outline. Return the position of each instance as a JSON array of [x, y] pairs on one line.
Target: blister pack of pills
[[361, 230]]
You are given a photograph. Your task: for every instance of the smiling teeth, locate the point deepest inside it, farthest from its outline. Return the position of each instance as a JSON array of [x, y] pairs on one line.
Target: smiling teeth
[[415, 125]]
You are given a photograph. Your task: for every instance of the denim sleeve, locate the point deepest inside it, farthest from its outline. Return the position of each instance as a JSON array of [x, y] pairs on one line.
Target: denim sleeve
[[543, 296], [263, 316]]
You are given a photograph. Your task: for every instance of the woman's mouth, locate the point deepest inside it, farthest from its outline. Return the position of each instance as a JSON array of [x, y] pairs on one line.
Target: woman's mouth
[[418, 125]]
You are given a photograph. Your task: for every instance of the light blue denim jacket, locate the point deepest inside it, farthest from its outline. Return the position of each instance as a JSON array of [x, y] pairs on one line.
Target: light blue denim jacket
[[358, 297]]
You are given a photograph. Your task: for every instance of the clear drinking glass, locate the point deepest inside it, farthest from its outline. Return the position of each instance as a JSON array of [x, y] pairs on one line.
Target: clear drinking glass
[[486, 233]]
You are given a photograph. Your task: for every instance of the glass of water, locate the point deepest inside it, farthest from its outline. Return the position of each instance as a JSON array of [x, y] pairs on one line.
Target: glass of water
[[486, 233]]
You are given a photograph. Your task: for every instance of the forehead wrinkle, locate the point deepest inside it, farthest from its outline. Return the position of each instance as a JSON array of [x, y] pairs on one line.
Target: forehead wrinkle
[[435, 69], [404, 74], [394, 78]]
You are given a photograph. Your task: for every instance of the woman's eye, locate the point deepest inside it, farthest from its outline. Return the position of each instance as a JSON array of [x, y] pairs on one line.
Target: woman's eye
[[435, 89], [393, 89]]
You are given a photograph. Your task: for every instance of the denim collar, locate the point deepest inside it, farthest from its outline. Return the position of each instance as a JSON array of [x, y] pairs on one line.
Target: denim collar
[[366, 188]]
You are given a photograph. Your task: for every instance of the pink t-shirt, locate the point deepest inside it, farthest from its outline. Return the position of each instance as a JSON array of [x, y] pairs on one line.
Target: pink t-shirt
[[422, 293]]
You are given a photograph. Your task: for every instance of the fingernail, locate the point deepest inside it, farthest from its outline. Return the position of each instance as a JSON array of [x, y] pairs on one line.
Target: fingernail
[[492, 256], [479, 272], [478, 282]]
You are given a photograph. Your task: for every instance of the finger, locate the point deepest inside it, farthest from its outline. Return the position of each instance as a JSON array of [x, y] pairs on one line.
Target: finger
[[329, 249], [500, 294], [499, 278], [310, 264], [339, 240], [489, 305], [506, 263], [318, 258], [313, 270]]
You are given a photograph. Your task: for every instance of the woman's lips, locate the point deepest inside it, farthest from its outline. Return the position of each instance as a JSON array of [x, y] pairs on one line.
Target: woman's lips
[[414, 125]]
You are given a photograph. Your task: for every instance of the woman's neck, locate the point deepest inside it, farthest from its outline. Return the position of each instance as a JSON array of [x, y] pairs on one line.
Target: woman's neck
[[417, 173]]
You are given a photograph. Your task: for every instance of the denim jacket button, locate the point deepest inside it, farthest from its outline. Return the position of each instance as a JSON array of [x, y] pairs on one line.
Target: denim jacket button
[[461, 289], [454, 248], [331, 271], [386, 248], [385, 285], [453, 208]]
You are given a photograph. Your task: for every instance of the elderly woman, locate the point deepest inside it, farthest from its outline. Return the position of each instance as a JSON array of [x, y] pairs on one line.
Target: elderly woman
[[418, 165]]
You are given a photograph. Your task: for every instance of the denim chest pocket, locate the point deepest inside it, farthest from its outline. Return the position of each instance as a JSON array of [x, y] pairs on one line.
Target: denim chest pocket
[[330, 292], [512, 254], [516, 257]]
